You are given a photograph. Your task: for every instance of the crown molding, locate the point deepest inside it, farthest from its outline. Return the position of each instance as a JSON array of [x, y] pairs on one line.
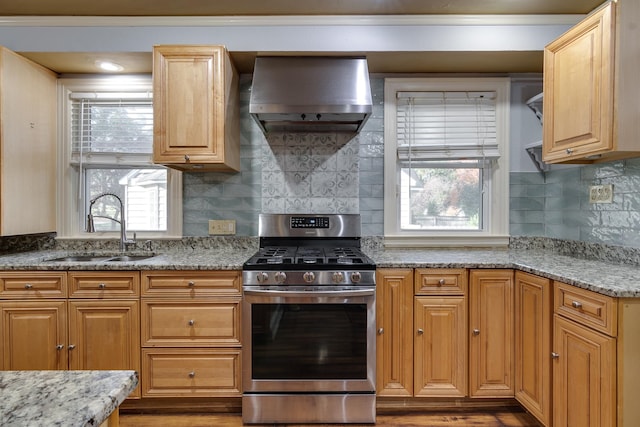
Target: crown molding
[[307, 20]]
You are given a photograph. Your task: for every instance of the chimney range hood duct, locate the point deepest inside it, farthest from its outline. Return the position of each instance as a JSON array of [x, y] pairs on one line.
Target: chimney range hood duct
[[310, 94]]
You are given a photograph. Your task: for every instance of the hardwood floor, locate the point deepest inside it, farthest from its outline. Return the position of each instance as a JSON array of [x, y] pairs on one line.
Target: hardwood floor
[[503, 418]]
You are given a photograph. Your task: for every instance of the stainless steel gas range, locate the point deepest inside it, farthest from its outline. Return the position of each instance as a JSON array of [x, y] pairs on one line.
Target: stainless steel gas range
[[309, 323]]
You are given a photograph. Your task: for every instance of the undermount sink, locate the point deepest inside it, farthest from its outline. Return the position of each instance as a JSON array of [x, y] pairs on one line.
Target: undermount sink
[[101, 258], [80, 258], [129, 258]]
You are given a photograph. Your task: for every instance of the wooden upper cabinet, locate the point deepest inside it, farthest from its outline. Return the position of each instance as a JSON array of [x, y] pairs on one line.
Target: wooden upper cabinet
[[591, 95], [27, 146], [196, 108]]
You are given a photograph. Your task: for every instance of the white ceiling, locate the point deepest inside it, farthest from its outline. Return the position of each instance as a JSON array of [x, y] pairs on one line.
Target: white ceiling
[[379, 62]]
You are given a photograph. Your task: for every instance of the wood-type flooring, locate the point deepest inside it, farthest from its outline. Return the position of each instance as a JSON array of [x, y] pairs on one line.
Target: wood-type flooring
[[501, 418]]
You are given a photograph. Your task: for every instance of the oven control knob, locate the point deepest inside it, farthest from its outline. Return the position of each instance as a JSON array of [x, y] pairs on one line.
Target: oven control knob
[[309, 276], [337, 277], [356, 276], [262, 277], [280, 277]]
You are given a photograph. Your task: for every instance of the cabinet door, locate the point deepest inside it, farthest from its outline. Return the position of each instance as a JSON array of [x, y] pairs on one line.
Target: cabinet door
[[491, 325], [584, 376], [440, 346], [394, 320], [34, 335], [192, 91], [533, 314], [579, 90], [104, 335]]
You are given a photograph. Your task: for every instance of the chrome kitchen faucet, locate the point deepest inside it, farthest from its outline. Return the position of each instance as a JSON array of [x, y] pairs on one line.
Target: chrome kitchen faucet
[[124, 242]]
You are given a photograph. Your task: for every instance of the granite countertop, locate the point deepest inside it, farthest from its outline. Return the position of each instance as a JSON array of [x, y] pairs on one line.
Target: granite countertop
[[62, 398], [613, 279]]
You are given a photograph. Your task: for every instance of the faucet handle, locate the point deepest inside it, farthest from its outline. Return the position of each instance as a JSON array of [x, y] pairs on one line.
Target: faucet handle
[[148, 244]]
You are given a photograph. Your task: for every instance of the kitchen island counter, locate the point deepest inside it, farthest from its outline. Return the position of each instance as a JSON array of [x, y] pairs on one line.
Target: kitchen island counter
[[62, 398]]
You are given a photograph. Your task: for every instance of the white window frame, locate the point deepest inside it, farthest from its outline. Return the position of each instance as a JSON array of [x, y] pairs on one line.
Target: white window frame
[[496, 204], [69, 205]]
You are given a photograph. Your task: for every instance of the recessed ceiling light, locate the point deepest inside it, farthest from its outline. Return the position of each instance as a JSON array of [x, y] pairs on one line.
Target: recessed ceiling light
[[109, 66]]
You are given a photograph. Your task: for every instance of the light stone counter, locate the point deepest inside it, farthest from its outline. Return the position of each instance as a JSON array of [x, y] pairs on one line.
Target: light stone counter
[[62, 398], [606, 277]]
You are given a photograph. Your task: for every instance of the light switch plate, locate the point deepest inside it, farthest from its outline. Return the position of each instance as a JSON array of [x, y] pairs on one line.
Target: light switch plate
[[222, 226], [601, 193]]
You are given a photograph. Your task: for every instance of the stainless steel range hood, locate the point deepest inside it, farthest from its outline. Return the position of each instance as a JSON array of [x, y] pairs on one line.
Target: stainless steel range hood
[[310, 94]]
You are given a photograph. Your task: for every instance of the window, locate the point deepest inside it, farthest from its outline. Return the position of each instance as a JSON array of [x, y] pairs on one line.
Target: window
[[446, 161], [106, 149]]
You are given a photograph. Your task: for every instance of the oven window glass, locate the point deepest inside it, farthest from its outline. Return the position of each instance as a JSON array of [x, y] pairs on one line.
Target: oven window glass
[[309, 341]]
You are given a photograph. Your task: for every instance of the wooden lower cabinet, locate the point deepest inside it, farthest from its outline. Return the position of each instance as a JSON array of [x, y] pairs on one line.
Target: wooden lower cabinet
[[34, 335], [171, 372], [491, 367], [394, 322], [421, 346], [89, 330], [584, 376], [191, 344], [440, 347], [533, 336]]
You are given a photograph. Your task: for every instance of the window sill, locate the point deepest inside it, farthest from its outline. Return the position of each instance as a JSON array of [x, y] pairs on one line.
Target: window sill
[[445, 241]]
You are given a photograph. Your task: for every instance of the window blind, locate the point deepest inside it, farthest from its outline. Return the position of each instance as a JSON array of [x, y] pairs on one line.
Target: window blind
[[434, 126], [111, 123]]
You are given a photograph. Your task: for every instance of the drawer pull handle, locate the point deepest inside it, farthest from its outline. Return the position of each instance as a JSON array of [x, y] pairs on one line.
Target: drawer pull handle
[[72, 346], [191, 283], [576, 304], [192, 374], [420, 331], [569, 151], [102, 285], [192, 322], [555, 355], [28, 286], [476, 332], [59, 347], [186, 157], [441, 282], [380, 331]]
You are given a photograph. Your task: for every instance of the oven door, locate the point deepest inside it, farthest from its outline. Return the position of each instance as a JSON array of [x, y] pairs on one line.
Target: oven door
[[301, 340]]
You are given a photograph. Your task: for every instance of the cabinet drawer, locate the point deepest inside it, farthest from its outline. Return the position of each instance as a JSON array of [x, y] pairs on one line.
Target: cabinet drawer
[[100, 284], [191, 283], [191, 324], [170, 372], [33, 284], [597, 311], [440, 281]]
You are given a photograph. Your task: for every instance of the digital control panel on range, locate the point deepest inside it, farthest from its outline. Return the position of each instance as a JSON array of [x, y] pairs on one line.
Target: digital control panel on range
[[309, 222]]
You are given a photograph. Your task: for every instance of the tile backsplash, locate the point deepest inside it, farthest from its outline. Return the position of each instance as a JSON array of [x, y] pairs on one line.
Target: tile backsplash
[[330, 173], [556, 205]]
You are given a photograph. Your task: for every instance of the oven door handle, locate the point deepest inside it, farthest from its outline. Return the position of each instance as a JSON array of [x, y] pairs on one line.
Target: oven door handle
[[364, 292]]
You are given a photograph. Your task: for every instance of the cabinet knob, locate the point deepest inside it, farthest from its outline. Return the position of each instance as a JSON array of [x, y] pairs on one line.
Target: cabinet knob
[[441, 282], [576, 304], [192, 322], [192, 374], [191, 283], [72, 346], [569, 151], [102, 285], [476, 332], [28, 286], [555, 355], [186, 157], [420, 331], [380, 331], [59, 347]]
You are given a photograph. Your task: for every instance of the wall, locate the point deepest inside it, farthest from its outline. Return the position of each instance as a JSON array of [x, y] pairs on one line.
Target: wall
[[293, 173], [328, 174]]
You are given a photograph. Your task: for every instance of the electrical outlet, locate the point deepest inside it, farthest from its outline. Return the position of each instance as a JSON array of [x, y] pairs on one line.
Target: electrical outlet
[[222, 226], [601, 193]]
